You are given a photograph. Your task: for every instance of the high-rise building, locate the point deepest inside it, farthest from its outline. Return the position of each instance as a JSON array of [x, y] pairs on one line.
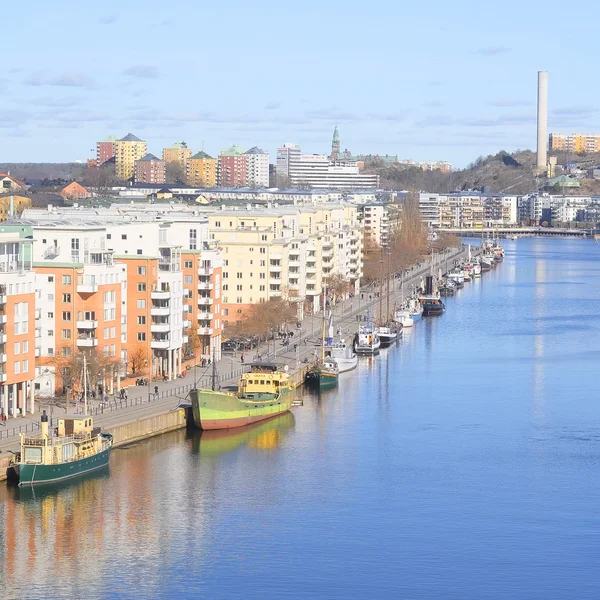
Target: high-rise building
[[257, 167], [127, 150], [105, 150], [232, 168], [177, 153], [150, 169], [318, 171], [201, 170], [286, 155]]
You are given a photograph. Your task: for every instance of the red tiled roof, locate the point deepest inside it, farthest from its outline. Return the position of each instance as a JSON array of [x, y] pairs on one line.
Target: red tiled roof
[[17, 181]]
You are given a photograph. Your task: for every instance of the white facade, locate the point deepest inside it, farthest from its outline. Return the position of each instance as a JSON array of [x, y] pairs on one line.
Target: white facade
[[257, 168], [286, 156], [317, 170]]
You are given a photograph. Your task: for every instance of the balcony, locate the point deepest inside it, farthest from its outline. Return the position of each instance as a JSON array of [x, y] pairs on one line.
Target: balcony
[[87, 288], [3, 338], [205, 301], [3, 377], [160, 311], [160, 327], [171, 264], [38, 351], [205, 271], [205, 330], [87, 324], [160, 294], [275, 268], [3, 358], [204, 316], [186, 323], [3, 319], [187, 309], [160, 344], [202, 285], [38, 332], [87, 341]]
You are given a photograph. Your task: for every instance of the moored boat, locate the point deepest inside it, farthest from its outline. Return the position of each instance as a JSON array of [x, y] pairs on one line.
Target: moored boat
[[388, 334], [343, 354], [74, 448], [264, 392], [403, 317], [430, 300], [324, 375], [366, 340]]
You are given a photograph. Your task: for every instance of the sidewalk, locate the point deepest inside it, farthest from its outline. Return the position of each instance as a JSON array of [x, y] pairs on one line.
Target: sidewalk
[[142, 401]]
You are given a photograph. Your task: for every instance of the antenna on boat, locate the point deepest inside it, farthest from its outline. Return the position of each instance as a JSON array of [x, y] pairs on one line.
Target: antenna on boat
[[214, 370]]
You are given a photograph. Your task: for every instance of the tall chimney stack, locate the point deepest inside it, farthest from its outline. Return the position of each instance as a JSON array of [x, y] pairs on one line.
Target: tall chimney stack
[[542, 120]]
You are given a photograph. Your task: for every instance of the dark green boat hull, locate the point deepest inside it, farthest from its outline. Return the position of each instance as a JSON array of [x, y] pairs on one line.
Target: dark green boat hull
[[38, 474]]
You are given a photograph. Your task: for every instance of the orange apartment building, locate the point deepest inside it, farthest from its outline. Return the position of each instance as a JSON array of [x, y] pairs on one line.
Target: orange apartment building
[[17, 317], [130, 295]]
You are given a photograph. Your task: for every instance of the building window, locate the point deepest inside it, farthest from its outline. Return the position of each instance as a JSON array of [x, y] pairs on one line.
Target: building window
[[66, 280], [187, 264], [66, 316], [139, 251], [66, 298], [25, 347], [225, 287], [238, 300], [17, 368], [51, 315], [141, 337], [66, 334], [25, 366], [262, 276], [141, 320], [141, 270], [240, 275], [17, 347], [123, 236], [141, 304], [262, 288], [66, 352], [50, 333], [141, 287], [187, 279], [193, 239], [239, 288]]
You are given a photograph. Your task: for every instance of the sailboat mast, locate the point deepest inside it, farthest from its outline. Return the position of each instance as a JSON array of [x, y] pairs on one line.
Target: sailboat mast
[[388, 284], [85, 411], [323, 325], [381, 288]]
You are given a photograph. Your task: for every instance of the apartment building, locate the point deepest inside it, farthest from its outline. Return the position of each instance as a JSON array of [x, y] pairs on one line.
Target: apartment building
[[575, 142], [467, 210], [106, 150], [376, 224], [319, 171], [201, 170], [149, 169], [257, 167], [127, 150], [17, 318], [286, 155], [178, 153], [126, 284], [284, 252], [232, 167]]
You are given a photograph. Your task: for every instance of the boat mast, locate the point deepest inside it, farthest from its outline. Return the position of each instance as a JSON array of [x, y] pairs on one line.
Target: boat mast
[[388, 285], [381, 288], [323, 324], [85, 412], [214, 370]]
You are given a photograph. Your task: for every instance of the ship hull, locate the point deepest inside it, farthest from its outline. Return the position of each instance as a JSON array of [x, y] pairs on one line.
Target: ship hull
[[346, 364], [430, 310], [39, 474], [387, 340], [217, 410]]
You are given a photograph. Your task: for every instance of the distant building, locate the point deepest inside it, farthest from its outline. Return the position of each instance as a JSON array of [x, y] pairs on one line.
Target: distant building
[[149, 169], [376, 224], [177, 153], [12, 206], [232, 167], [257, 167], [127, 150], [286, 155], [10, 184], [335, 145], [318, 171], [201, 170], [75, 191], [575, 142], [105, 150]]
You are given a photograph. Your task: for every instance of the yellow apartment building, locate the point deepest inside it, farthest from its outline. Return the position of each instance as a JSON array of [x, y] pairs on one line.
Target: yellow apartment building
[[177, 153], [576, 142], [127, 150], [201, 170]]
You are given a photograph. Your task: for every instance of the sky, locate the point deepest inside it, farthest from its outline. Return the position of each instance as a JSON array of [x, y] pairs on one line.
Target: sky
[[426, 81]]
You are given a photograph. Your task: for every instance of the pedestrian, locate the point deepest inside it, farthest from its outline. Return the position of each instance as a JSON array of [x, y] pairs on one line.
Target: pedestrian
[[125, 394], [2, 419], [305, 341], [242, 359], [209, 361], [106, 398], [203, 362], [362, 296]]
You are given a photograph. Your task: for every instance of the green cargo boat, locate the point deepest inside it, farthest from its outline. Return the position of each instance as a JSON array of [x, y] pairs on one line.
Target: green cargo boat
[[324, 376], [264, 392], [75, 447]]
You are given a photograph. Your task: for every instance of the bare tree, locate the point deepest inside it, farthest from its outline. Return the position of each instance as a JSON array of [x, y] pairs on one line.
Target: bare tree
[[174, 172], [138, 359]]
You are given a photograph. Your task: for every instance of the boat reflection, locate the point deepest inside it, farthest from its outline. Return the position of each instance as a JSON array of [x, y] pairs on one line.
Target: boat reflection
[[266, 435]]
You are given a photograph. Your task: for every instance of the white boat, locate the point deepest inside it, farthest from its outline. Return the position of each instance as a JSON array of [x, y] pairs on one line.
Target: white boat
[[367, 341], [477, 270], [402, 317], [388, 335], [343, 354], [415, 309]]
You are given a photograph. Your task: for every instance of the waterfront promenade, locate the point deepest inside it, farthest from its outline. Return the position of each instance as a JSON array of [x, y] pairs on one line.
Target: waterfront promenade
[[143, 402]]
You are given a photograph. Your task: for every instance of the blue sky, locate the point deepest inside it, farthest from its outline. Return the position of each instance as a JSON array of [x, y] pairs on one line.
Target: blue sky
[[427, 81]]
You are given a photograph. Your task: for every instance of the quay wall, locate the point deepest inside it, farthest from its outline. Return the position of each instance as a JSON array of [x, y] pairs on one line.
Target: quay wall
[[141, 429]]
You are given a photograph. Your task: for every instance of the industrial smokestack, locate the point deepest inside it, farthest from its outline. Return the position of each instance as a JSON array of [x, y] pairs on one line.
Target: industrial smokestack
[[428, 285], [542, 120]]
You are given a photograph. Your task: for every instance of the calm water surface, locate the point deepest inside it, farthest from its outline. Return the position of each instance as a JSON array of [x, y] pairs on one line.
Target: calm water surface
[[462, 463]]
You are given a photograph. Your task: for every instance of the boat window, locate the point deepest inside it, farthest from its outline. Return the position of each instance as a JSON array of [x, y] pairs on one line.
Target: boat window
[[268, 382], [276, 383], [33, 455]]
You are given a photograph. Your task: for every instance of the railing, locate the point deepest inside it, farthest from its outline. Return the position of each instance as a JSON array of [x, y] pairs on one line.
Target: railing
[[52, 252]]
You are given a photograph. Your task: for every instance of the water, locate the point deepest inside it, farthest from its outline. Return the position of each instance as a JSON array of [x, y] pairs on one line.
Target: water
[[462, 463]]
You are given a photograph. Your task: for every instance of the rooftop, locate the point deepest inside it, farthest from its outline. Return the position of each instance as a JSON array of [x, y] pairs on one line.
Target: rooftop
[[148, 158], [130, 138]]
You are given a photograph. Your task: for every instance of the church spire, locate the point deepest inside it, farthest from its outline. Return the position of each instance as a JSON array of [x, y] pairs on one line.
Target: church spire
[[335, 145]]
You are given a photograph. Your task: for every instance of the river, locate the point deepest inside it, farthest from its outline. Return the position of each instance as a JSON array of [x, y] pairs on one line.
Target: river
[[461, 463]]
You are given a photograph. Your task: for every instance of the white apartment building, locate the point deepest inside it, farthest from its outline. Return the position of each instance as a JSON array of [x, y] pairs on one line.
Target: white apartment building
[[286, 155], [257, 168], [376, 224], [318, 171]]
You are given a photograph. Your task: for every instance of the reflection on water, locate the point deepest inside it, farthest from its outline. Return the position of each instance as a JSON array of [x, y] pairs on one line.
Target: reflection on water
[[460, 463]]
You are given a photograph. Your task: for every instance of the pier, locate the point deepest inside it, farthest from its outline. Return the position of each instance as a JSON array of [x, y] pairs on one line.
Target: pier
[[145, 414]]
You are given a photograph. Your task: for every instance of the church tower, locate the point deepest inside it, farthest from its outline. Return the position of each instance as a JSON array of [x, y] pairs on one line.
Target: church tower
[[335, 145]]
